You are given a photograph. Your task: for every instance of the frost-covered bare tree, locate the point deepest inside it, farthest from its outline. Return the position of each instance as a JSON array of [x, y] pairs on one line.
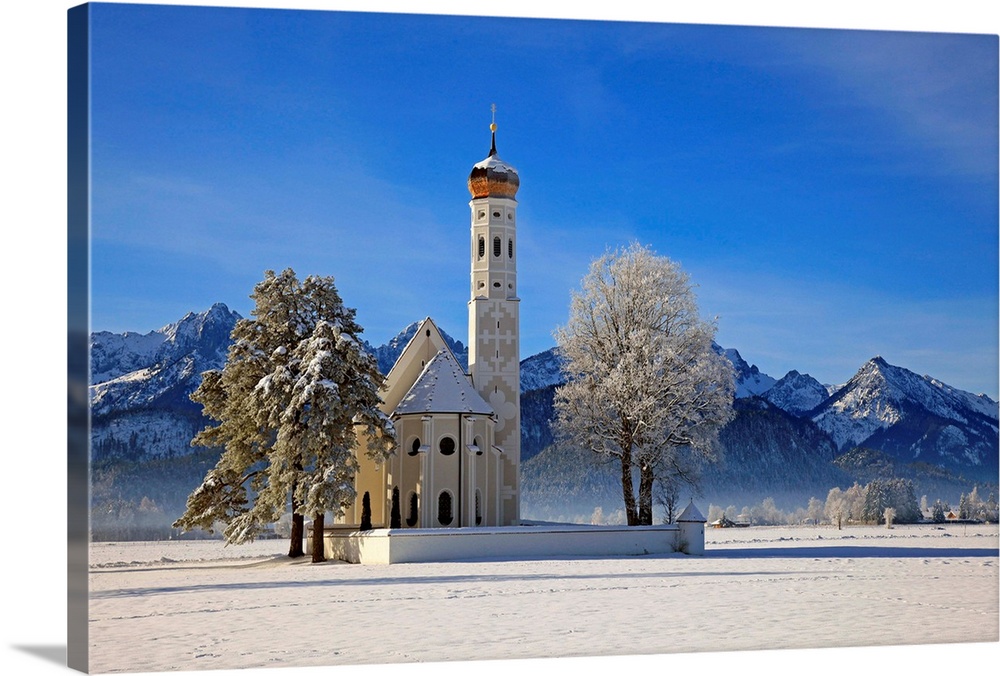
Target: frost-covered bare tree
[[644, 384], [680, 473], [814, 510], [843, 506], [296, 389], [668, 495]]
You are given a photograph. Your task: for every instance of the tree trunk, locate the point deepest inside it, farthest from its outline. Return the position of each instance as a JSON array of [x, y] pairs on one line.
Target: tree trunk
[[298, 530], [295, 549], [317, 539], [627, 493], [295, 541], [645, 495]]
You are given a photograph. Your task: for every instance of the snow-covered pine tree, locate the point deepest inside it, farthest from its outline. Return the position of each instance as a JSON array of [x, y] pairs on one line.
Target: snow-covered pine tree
[[643, 382], [295, 391], [937, 512], [898, 494]]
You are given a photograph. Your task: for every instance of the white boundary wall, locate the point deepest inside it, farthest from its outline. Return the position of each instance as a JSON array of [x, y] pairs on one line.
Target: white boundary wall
[[514, 542]]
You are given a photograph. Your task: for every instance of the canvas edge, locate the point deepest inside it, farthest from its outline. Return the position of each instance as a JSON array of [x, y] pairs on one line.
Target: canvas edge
[[78, 325]]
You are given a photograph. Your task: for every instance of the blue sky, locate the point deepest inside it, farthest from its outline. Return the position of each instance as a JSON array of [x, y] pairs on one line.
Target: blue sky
[[832, 193]]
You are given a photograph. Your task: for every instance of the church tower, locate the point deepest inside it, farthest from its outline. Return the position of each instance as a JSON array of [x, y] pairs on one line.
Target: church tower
[[494, 350]]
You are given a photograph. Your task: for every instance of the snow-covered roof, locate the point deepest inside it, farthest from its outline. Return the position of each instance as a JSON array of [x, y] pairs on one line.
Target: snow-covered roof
[[493, 177], [496, 164], [691, 513], [443, 387]]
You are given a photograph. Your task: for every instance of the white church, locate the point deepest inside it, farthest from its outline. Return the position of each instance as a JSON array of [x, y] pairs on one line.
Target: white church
[[458, 458], [457, 464]]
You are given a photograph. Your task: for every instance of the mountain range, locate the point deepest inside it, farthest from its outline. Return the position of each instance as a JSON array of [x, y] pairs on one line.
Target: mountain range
[[791, 437]]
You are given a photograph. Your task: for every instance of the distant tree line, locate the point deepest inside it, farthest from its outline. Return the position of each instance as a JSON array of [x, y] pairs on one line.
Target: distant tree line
[[871, 503]]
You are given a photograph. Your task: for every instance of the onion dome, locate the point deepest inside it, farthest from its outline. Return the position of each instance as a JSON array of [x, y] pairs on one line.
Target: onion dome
[[493, 177]]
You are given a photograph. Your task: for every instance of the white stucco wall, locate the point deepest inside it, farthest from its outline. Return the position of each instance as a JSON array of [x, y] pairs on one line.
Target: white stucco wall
[[415, 545]]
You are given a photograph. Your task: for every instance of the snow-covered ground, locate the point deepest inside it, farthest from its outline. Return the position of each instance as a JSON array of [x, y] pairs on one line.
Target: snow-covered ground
[[199, 605]]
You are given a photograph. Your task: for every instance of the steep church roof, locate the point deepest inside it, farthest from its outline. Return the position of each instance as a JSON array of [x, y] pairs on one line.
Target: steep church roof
[[443, 387]]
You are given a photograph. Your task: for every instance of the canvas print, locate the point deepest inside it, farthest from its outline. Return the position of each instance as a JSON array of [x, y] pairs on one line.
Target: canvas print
[[402, 339]]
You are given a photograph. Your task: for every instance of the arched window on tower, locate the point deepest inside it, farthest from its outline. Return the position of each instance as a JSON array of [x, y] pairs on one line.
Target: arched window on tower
[[482, 247], [510, 248], [496, 247]]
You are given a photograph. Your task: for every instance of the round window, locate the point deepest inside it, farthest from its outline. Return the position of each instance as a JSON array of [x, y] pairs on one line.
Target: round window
[[414, 447], [446, 446]]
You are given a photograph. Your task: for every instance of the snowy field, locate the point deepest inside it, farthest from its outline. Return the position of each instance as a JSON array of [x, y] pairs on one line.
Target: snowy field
[[198, 605]]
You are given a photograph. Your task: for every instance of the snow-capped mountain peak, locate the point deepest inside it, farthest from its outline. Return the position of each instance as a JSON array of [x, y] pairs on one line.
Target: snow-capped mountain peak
[[899, 384], [541, 370], [387, 354], [115, 354], [915, 416], [193, 325], [134, 370], [750, 381], [797, 393]]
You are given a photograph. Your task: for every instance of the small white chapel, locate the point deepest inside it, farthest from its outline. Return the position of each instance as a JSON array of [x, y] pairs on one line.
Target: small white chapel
[[457, 463]]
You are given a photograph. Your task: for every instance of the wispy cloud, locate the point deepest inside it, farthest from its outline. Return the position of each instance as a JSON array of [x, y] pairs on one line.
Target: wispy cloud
[[937, 90]]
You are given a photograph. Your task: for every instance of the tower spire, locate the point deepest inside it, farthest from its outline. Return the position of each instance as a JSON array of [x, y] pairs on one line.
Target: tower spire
[[493, 130], [493, 176]]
